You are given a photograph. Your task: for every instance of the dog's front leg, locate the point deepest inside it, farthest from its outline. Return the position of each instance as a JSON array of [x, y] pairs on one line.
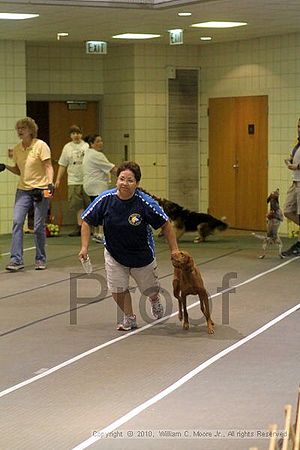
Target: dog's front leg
[[176, 292], [185, 324], [203, 231], [204, 305], [279, 242], [264, 247], [180, 310]]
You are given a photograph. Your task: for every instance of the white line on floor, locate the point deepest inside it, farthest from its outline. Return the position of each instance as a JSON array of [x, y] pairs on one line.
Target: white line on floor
[[25, 250], [128, 335], [134, 412], [42, 370]]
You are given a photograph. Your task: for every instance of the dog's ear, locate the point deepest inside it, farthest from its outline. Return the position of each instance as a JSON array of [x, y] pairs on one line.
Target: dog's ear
[[269, 198]]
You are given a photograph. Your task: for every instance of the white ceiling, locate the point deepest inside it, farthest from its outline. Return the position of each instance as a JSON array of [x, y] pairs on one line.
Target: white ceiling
[[99, 20]]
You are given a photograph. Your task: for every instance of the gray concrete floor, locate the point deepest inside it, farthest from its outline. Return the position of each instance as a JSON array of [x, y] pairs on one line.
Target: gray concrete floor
[[94, 377]]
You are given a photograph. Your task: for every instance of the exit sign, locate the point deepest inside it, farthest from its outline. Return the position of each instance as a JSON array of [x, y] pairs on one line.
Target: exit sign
[[176, 36], [96, 47]]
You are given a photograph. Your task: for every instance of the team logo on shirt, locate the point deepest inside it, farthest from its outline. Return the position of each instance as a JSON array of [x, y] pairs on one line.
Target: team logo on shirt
[[135, 219]]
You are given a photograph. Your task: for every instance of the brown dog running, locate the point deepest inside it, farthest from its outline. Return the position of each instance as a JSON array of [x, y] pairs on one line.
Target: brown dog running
[[187, 280]]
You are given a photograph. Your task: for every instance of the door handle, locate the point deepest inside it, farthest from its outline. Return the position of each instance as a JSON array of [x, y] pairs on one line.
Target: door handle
[[235, 166]]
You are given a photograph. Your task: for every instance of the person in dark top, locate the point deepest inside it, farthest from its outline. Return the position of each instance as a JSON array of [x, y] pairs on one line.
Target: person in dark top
[[127, 215]]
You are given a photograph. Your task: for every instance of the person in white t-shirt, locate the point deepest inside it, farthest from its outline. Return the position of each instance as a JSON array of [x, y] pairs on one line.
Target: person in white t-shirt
[[292, 203], [96, 173], [71, 161]]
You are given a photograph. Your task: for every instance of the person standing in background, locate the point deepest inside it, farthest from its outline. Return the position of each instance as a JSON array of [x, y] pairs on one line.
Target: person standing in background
[[292, 204], [71, 160], [96, 173], [32, 158], [30, 215]]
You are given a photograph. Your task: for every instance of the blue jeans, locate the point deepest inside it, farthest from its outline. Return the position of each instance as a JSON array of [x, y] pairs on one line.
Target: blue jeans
[[23, 202]]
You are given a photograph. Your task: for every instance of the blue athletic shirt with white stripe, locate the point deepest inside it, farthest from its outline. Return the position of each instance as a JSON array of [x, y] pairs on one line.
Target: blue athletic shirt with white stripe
[[127, 225]]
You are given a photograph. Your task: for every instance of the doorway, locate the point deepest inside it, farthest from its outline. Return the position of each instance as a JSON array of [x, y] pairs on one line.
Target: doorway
[[238, 160], [54, 120], [183, 138]]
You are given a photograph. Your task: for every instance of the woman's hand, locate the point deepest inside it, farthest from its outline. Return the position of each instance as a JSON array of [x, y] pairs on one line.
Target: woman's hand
[[85, 237], [83, 253]]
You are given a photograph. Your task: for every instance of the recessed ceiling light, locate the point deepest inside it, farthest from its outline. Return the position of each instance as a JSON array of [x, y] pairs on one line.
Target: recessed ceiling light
[[184, 14], [16, 16], [215, 24], [205, 38], [135, 36]]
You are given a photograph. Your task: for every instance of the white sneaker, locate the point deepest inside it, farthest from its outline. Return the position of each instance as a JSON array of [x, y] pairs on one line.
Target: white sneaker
[[40, 265], [128, 323], [14, 266]]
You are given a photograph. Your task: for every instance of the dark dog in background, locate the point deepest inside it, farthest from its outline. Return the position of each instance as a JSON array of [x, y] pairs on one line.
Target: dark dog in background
[[188, 281], [185, 220], [274, 219]]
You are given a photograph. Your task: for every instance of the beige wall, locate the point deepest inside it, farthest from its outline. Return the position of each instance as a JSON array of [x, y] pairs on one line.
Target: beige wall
[[135, 104], [118, 102], [266, 66], [12, 107], [151, 103], [60, 69], [133, 82]]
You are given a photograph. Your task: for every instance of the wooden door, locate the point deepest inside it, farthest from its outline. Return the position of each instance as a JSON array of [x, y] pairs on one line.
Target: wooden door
[[60, 120], [222, 158], [238, 160], [252, 160]]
